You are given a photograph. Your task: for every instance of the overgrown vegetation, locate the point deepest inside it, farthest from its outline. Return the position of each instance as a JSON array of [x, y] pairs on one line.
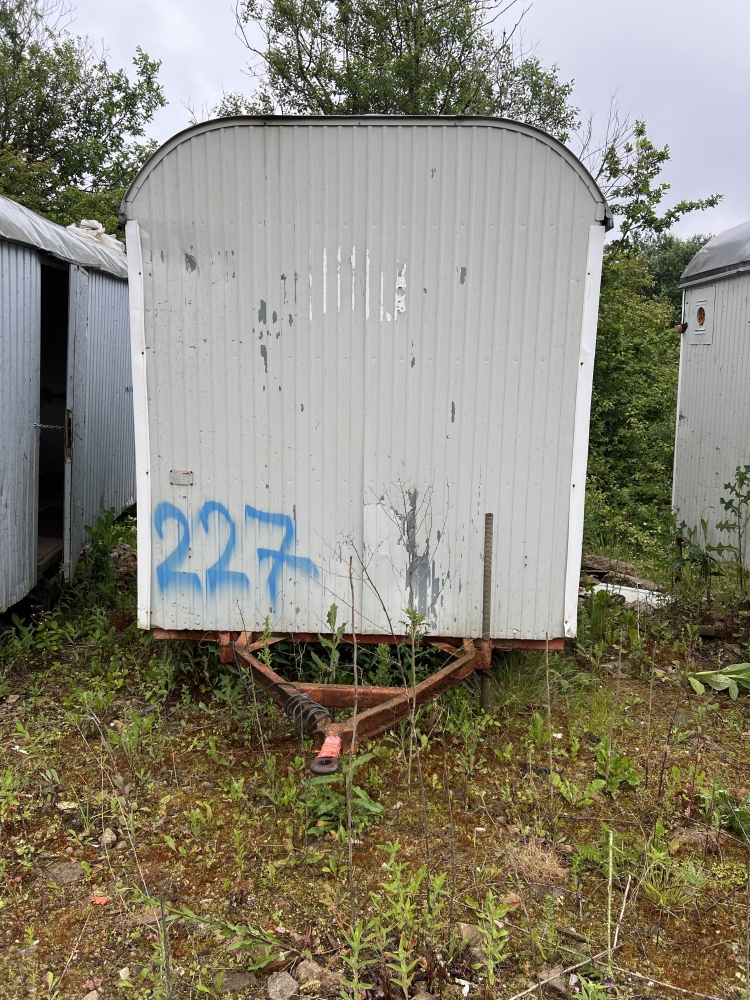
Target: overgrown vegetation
[[71, 127], [603, 823]]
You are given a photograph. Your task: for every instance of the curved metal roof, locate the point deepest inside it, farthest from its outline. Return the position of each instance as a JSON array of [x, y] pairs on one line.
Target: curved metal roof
[[364, 120], [20, 225], [725, 254]]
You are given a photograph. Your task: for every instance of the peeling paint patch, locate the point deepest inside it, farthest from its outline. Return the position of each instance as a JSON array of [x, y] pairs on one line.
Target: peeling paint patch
[[367, 284], [290, 319], [302, 407], [262, 311], [275, 317], [413, 362], [453, 412], [264, 355], [190, 263], [463, 275], [400, 291], [325, 279]]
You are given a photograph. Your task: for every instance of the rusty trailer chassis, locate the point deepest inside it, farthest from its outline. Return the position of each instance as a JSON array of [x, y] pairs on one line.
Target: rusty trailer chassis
[[377, 708]]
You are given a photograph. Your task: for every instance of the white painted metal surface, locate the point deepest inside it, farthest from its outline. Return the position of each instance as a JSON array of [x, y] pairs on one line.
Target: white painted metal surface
[[19, 412], [102, 462], [713, 408], [361, 336]]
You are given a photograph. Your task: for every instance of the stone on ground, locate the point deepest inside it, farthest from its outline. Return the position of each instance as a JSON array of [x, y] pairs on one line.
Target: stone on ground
[[281, 986]]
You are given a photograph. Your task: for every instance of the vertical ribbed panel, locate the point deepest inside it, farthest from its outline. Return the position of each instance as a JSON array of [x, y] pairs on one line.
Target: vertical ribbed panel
[[714, 406], [20, 319], [107, 471], [369, 335]]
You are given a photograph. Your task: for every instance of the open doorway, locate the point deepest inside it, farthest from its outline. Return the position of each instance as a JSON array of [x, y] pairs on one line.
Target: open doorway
[[53, 387]]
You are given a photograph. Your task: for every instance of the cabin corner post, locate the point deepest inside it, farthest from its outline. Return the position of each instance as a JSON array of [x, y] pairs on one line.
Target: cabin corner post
[[140, 419], [584, 388]]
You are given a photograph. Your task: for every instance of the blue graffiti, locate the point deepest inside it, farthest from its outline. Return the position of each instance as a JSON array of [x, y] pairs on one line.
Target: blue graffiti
[[219, 575], [167, 572], [282, 556]]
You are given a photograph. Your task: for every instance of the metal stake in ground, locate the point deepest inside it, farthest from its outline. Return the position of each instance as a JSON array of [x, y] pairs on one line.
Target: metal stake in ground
[[484, 679]]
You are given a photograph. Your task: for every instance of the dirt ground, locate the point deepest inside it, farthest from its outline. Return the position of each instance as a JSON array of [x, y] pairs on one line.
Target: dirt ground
[[162, 837]]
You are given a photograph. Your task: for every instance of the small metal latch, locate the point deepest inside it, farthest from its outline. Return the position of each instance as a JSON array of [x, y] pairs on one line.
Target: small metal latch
[[49, 427], [68, 439]]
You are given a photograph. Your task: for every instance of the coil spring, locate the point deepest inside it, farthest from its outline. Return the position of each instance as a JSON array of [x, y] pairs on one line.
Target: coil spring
[[306, 714]]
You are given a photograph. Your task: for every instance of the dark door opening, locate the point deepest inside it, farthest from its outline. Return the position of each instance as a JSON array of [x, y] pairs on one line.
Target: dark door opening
[[53, 388]]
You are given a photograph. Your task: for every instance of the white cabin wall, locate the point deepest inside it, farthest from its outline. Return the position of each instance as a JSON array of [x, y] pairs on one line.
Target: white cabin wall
[[714, 406], [467, 396]]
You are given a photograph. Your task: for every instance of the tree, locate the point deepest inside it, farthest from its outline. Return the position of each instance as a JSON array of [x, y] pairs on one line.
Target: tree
[[666, 256], [69, 125], [625, 165], [396, 57], [633, 408]]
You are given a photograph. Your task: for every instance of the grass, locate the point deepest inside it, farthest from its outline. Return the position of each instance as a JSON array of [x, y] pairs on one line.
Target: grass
[[531, 824]]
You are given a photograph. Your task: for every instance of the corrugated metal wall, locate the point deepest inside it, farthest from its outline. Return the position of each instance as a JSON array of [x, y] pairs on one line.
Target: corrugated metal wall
[[360, 340], [19, 410], [108, 469], [713, 420]]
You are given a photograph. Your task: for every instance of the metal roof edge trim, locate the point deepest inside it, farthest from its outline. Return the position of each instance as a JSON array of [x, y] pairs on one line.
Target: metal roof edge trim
[[23, 227], [392, 120], [708, 276]]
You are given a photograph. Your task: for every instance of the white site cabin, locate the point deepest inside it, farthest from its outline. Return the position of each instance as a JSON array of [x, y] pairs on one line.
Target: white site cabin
[[66, 401], [713, 403], [357, 338]]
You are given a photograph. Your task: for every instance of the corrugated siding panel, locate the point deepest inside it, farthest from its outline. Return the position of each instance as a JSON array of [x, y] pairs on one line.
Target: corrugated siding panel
[[19, 410], [713, 422], [108, 468], [282, 374]]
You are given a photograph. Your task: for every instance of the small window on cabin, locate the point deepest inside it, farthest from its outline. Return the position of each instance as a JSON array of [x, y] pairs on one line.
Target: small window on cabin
[[700, 314]]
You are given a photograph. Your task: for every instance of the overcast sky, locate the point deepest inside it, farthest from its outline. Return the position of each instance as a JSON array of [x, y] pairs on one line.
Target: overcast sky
[[682, 65]]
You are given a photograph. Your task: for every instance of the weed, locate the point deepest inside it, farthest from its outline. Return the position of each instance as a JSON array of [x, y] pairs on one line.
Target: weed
[[490, 916], [331, 646], [617, 770], [327, 808], [576, 796]]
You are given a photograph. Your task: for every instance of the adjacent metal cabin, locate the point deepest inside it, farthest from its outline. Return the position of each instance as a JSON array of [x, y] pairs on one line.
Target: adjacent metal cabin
[[713, 403], [363, 346], [66, 402]]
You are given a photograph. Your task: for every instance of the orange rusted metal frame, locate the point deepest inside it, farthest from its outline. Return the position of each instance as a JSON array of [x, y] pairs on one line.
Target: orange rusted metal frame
[[383, 707], [375, 720], [446, 643]]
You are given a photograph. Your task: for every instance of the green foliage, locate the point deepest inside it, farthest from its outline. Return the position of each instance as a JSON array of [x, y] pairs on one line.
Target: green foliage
[[737, 505], [731, 679], [326, 807], [617, 769], [490, 916], [724, 810], [628, 494], [69, 124], [596, 854], [666, 256], [331, 646], [629, 175], [576, 796], [538, 732], [396, 57], [671, 886]]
